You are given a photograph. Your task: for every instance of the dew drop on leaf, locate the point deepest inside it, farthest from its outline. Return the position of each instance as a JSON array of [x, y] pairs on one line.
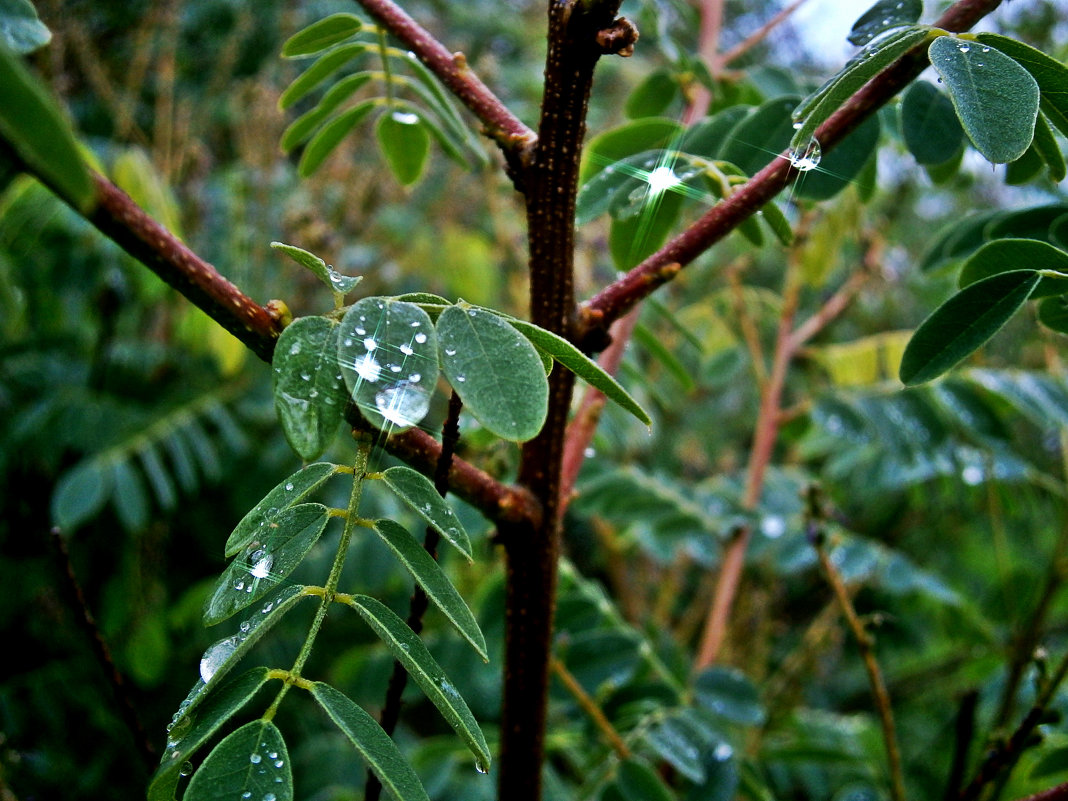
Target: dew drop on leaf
[[808, 157], [215, 656], [404, 403]]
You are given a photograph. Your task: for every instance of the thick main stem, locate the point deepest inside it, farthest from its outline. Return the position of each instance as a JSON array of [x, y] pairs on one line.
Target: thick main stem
[[550, 185]]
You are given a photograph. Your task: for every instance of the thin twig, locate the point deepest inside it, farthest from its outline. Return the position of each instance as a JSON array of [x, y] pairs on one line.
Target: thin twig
[[866, 646], [420, 602], [589, 706], [1058, 793], [757, 36]]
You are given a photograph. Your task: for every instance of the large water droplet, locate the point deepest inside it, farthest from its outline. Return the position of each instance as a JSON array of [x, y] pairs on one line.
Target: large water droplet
[[215, 656], [404, 118], [406, 350], [255, 759], [404, 403], [186, 769], [367, 368], [807, 157], [480, 767], [260, 563]]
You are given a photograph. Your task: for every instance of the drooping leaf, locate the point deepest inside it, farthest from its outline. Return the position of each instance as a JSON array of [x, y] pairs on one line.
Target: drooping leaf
[[272, 555], [304, 125], [410, 651], [429, 575], [495, 371], [323, 271], [254, 760], [323, 67], [21, 30], [883, 16], [128, 495], [34, 127], [418, 492], [1045, 144], [681, 738], [729, 694], [373, 744], [963, 323], [932, 132], [331, 134], [322, 34], [388, 353], [1003, 255], [309, 392], [263, 516], [635, 237], [995, 98], [637, 136], [158, 476], [80, 493], [189, 731], [1024, 169], [1050, 75], [581, 365], [405, 143], [956, 238]]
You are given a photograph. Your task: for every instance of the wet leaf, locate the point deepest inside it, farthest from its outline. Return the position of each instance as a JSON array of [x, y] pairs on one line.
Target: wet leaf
[[324, 272], [637, 136], [883, 16], [1050, 75], [418, 492], [252, 760], [405, 142]]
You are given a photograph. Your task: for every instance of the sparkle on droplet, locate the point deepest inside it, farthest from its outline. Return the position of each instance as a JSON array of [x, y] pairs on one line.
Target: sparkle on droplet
[[963, 48], [404, 403], [662, 179], [186, 769], [261, 563], [367, 368], [808, 157], [370, 343]]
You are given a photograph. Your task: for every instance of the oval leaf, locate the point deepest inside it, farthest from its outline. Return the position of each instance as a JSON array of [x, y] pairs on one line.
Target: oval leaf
[[495, 371], [410, 651], [963, 323], [325, 273], [266, 560], [932, 132], [609, 147], [418, 492], [330, 136], [324, 66], [374, 745], [388, 354], [188, 731], [1050, 75], [995, 98], [80, 493], [883, 16], [405, 143], [429, 575], [252, 762], [263, 516], [1005, 255], [730, 694], [639, 782], [1053, 313], [322, 34]]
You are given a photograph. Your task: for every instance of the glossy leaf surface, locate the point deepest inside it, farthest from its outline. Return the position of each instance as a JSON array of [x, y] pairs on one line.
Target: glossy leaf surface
[[429, 575], [418, 492], [495, 371], [410, 651], [253, 760], [1004, 255], [322, 34], [323, 271], [373, 744], [388, 353], [963, 323], [995, 98], [323, 67]]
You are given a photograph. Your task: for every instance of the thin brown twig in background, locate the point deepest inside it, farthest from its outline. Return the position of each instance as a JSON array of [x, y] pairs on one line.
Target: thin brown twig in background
[[589, 706]]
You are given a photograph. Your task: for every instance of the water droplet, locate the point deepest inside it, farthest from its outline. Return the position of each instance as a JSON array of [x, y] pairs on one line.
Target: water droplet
[[215, 656], [773, 526], [808, 157], [267, 607], [723, 752], [450, 351], [404, 118], [255, 759], [480, 767], [461, 378], [963, 48], [260, 563], [406, 350], [305, 376], [178, 727], [972, 475], [370, 343], [394, 368], [589, 453], [404, 403], [472, 312], [347, 342], [415, 378], [415, 324], [798, 125], [661, 179], [367, 368], [239, 585], [186, 769], [289, 486], [246, 794], [245, 626], [278, 763], [294, 349], [984, 50]]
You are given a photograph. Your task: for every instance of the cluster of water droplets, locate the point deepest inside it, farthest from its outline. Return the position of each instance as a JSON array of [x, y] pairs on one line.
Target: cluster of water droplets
[[264, 760]]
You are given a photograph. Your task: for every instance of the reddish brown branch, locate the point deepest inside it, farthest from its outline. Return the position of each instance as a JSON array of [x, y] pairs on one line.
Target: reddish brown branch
[[1058, 793], [616, 299], [451, 69]]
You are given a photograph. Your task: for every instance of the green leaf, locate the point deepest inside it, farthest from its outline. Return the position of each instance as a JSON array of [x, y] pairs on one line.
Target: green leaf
[[36, 130], [21, 30], [581, 365], [429, 575], [80, 493], [995, 98], [839, 167], [639, 782], [374, 745], [1050, 75], [777, 222], [963, 323], [1032, 223], [495, 371], [636, 236], [956, 238], [303, 126], [1025, 168], [331, 134], [128, 496], [944, 172], [760, 135], [816, 108], [1053, 313], [388, 354], [637, 136], [1045, 144], [266, 560], [410, 651], [309, 392], [324, 66], [418, 492], [883, 16], [325, 273], [158, 477], [652, 96], [708, 137], [405, 144], [1005, 255], [680, 739], [188, 732], [322, 34], [932, 132], [252, 760], [729, 694], [222, 655], [264, 515]]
